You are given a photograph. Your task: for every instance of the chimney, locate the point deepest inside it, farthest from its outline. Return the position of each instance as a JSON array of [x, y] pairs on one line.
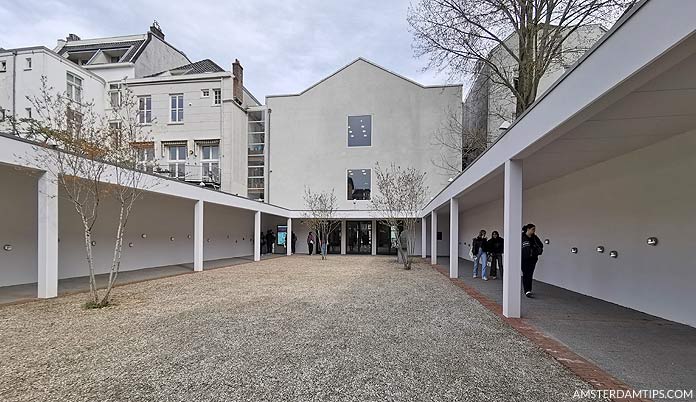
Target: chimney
[[72, 37], [237, 82], [156, 30]]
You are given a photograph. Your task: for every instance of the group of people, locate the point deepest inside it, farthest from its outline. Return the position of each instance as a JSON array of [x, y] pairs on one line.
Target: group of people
[[484, 250], [268, 242], [315, 244]]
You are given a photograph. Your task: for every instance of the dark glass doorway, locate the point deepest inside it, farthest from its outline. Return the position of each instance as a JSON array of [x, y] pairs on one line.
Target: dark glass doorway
[[386, 239], [359, 237]]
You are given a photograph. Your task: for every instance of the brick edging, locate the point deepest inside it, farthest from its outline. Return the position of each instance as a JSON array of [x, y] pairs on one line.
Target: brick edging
[[586, 370]]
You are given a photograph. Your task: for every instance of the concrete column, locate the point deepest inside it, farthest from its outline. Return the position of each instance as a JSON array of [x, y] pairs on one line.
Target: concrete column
[[257, 236], [424, 237], [454, 238], [47, 284], [288, 238], [344, 235], [433, 237], [198, 236], [512, 259], [374, 237]]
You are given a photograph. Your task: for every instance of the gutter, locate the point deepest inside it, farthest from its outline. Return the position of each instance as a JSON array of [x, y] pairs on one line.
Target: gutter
[[14, 92]]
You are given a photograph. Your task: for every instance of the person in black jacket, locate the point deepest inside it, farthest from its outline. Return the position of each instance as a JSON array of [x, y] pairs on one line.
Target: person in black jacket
[[478, 250], [270, 241], [532, 248], [495, 247]]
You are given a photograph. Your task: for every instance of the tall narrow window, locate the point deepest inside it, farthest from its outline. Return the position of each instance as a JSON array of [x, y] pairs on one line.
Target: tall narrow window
[[359, 131], [28, 112], [145, 109], [145, 157], [3, 66], [177, 161], [115, 95], [217, 96], [177, 108], [74, 87], [210, 160], [359, 184], [28, 64]]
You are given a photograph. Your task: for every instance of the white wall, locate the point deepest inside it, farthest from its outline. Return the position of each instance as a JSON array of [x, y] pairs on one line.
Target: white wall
[[158, 56], [618, 204]]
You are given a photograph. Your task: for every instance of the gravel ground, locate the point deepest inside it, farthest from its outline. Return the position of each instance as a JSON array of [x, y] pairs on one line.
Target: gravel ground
[[287, 329]]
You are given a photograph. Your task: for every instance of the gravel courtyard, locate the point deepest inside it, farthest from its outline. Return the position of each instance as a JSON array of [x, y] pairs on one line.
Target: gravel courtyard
[[285, 329]]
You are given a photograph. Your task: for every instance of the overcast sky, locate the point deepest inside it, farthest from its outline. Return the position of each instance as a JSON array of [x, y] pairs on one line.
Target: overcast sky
[[285, 46]]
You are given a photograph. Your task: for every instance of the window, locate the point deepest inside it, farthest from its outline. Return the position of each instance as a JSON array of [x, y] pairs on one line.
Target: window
[[145, 109], [27, 65], [205, 93], [73, 120], [218, 96], [114, 59], [210, 160], [177, 161], [2, 114], [3, 66], [359, 131], [359, 184], [177, 108], [144, 158], [115, 132], [115, 95], [28, 110], [74, 91]]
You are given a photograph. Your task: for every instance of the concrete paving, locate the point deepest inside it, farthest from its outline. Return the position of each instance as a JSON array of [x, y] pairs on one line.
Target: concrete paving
[[644, 351], [11, 294]]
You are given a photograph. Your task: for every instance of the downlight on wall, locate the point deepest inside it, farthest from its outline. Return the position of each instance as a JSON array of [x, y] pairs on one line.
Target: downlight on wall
[[574, 250], [547, 241], [7, 247], [600, 249], [651, 241], [614, 254]]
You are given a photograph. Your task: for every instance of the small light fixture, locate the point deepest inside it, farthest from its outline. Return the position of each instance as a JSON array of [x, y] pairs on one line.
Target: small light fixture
[[547, 241], [451, 179], [574, 250], [188, 236], [208, 240], [171, 238], [652, 241], [130, 244], [600, 249], [228, 236], [7, 247], [144, 236], [94, 243], [614, 254]]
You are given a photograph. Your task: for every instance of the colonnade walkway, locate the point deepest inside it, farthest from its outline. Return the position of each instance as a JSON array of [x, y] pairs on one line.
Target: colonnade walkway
[[644, 351]]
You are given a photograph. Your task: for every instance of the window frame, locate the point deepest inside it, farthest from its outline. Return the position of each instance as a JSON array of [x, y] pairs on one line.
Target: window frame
[[145, 164], [372, 125], [179, 111], [177, 162], [74, 85], [145, 121], [205, 93], [210, 161], [217, 96], [27, 63], [371, 184]]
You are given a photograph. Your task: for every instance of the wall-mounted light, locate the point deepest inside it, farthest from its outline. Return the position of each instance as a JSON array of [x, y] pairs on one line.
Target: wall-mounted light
[[94, 243], [614, 254], [208, 240], [7, 247], [188, 236], [574, 250], [171, 238], [652, 241], [228, 236], [600, 249], [144, 236], [547, 241], [130, 244]]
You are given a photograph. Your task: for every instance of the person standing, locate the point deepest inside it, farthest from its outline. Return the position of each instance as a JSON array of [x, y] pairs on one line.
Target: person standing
[[293, 241], [478, 249], [310, 242], [495, 248], [270, 241], [532, 248]]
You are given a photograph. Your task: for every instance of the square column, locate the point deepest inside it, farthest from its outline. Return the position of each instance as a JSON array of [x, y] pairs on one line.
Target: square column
[[257, 236], [424, 237], [198, 236], [344, 234], [433, 237], [374, 237], [454, 238], [512, 258], [47, 251], [288, 237]]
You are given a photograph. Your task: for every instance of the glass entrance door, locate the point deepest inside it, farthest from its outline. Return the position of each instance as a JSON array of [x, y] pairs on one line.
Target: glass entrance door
[[359, 237], [386, 239]]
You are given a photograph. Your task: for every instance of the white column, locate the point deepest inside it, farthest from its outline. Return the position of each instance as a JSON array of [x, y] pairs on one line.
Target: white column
[[344, 234], [433, 237], [198, 236], [257, 236], [288, 237], [424, 237], [374, 237], [47, 236], [454, 238], [512, 258]]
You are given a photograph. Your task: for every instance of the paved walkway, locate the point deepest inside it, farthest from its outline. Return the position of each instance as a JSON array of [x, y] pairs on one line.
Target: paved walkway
[[644, 351], [11, 294]]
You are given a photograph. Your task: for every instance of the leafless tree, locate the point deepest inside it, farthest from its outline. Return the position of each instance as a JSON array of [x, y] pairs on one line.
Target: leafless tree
[[91, 156], [320, 216], [459, 144], [401, 192], [512, 42]]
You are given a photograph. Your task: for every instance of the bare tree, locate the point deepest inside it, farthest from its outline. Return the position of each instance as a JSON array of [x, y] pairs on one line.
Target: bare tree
[[91, 157], [320, 216], [401, 192], [459, 143], [512, 42]]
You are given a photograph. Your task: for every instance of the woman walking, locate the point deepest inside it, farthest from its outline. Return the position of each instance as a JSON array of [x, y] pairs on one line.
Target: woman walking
[[495, 250], [478, 250], [310, 242], [532, 248]]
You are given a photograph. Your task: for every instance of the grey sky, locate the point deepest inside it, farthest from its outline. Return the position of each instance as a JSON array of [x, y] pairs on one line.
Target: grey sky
[[284, 46]]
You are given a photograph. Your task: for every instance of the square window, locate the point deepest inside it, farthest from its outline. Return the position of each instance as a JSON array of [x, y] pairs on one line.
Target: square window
[[3, 66], [359, 131], [28, 64], [359, 184], [205, 93]]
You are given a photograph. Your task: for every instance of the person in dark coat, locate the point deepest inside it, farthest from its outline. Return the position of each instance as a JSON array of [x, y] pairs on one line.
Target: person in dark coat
[[478, 250], [532, 248], [293, 241], [495, 247], [310, 242], [270, 241]]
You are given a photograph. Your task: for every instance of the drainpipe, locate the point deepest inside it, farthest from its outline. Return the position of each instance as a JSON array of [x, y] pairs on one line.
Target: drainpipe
[[222, 135], [14, 92], [267, 149]]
